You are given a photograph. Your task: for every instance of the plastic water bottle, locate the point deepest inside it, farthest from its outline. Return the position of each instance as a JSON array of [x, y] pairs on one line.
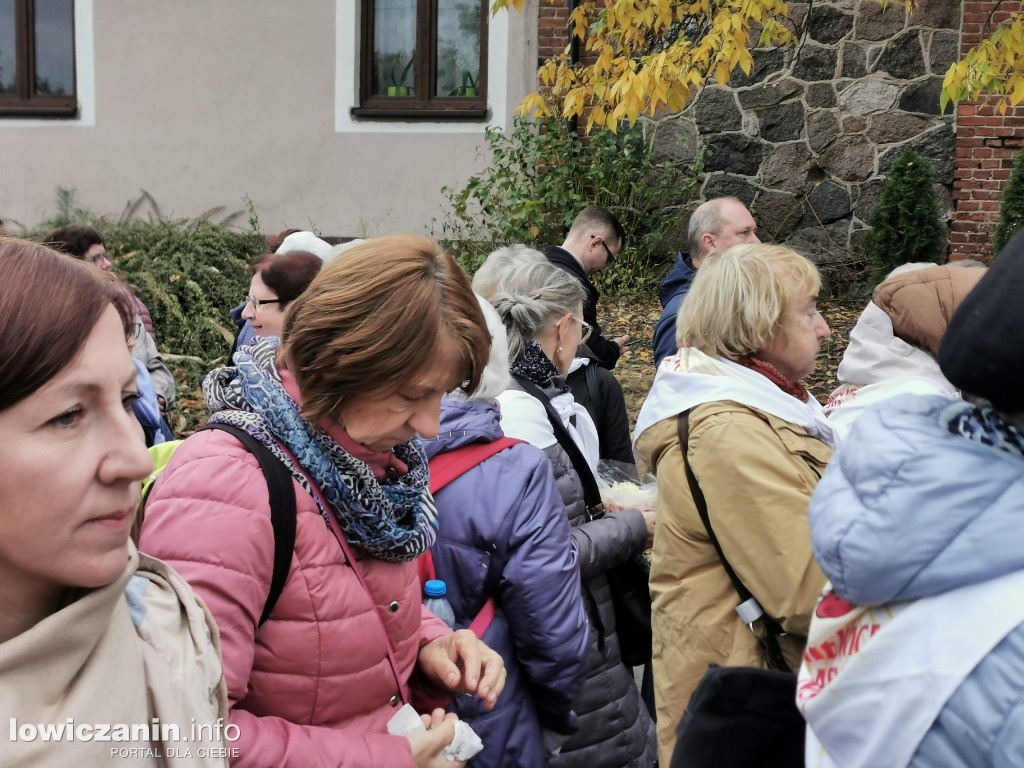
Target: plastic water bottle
[[434, 592]]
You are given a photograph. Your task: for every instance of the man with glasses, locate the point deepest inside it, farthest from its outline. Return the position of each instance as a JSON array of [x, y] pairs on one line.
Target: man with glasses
[[594, 240]]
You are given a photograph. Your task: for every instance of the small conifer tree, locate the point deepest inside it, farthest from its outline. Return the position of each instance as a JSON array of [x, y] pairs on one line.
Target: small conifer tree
[[906, 225], [1011, 210]]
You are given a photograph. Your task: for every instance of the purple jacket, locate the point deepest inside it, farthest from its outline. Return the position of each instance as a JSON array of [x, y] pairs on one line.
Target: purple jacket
[[503, 523]]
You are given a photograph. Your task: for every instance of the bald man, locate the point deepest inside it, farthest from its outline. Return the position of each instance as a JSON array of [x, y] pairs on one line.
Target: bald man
[[718, 223]]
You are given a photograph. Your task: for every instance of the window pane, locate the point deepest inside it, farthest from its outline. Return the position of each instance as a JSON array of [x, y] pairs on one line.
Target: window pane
[[8, 70], [55, 47], [458, 48], [394, 47]]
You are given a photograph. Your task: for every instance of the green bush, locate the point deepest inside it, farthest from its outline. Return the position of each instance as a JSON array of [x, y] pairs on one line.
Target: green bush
[[189, 275], [540, 176], [1011, 210], [906, 224]]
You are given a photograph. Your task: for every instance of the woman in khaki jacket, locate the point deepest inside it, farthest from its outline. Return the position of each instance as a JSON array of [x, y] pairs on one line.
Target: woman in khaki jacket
[[758, 442]]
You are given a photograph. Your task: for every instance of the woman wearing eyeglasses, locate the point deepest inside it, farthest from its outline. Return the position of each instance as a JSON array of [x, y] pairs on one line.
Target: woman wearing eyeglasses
[[542, 310], [277, 280]]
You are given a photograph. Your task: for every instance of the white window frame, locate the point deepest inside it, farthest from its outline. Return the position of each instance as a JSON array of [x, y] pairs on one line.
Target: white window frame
[[85, 78], [346, 81]]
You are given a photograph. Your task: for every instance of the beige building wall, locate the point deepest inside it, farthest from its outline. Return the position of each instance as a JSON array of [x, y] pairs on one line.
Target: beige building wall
[[202, 103]]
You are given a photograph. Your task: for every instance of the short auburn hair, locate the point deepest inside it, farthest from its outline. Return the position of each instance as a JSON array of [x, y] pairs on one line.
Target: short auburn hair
[[287, 274], [372, 320], [739, 296], [49, 305]]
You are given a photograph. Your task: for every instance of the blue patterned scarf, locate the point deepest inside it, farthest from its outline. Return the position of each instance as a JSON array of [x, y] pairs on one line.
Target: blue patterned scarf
[[984, 425], [394, 521], [535, 366]]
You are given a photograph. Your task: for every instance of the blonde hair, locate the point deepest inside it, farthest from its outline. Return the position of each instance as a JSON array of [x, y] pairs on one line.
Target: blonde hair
[[529, 297], [739, 297], [373, 319]]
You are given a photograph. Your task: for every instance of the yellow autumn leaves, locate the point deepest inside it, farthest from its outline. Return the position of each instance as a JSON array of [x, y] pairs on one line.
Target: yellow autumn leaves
[[654, 55]]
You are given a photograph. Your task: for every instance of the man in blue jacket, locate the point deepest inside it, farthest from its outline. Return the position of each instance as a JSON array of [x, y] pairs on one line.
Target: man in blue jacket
[[718, 223]]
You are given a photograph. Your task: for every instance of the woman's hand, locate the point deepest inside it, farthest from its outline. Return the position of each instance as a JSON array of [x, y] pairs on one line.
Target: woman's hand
[[651, 519], [461, 663], [427, 745]]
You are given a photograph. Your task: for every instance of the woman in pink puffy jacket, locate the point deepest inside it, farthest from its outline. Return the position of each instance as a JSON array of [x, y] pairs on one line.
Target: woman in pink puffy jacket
[[341, 398]]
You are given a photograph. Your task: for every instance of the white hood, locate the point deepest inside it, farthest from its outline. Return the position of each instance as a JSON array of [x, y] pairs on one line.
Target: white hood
[[875, 354], [690, 378]]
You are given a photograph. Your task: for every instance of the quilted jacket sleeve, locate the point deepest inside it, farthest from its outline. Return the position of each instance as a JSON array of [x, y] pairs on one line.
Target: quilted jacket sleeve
[[208, 517], [540, 595], [604, 543]]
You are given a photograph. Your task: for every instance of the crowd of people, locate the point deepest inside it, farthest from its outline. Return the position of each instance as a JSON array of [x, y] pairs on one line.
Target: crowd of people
[[384, 420]]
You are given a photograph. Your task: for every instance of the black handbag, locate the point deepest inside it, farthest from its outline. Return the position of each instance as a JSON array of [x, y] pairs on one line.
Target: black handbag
[[629, 580], [740, 716]]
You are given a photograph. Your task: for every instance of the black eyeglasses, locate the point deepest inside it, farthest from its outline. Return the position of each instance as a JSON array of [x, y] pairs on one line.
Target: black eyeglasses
[[611, 256], [257, 303]]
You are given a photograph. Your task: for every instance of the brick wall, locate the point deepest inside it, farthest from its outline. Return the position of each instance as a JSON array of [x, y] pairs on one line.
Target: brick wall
[[986, 145], [553, 35]]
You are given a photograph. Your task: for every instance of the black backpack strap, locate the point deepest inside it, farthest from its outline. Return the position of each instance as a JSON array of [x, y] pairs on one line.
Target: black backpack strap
[[593, 387], [591, 493], [770, 641], [282, 509]]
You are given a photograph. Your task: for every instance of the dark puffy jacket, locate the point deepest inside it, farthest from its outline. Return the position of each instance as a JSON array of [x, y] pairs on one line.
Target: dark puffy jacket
[[673, 290], [605, 350], [609, 415], [615, 729], [506, 513]]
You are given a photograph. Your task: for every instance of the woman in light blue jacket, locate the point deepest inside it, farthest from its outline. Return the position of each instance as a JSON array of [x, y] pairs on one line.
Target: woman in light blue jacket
[[917, 655]]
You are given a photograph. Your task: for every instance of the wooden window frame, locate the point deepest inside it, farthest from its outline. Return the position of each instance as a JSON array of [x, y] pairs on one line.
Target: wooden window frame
[[425, 107], [25, 102]]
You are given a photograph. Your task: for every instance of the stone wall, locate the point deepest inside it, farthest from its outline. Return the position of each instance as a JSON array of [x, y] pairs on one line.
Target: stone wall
[[807, 138], [986, 145]]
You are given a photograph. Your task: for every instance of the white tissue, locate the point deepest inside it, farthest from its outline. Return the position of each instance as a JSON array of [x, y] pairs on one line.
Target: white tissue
[[465, 745]]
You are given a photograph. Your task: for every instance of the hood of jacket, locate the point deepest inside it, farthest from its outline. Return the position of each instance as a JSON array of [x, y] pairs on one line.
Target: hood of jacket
[[920, 303], [690, 378], [677, 280], [876, 354], [464, 422], [908, 509]]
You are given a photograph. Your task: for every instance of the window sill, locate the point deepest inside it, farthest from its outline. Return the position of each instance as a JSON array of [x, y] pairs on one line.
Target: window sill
[[432, 115], [65, 112]]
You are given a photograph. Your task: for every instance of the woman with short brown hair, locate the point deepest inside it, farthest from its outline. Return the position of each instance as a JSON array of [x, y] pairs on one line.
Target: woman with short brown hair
[[366, 353]]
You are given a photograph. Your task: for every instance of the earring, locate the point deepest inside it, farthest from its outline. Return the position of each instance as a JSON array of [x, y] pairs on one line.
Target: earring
[[559, 349]]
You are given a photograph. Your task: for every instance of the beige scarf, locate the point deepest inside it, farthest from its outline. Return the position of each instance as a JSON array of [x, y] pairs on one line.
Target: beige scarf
[[107, 679]]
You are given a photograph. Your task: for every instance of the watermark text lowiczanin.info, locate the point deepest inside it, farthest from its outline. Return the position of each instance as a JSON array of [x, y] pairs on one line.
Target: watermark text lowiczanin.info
[[152, 732]]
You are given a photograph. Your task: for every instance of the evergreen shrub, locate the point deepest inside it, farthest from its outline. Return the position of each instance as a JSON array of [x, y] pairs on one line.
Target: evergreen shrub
[[1011, 210], [189, 274], [906, 222]]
